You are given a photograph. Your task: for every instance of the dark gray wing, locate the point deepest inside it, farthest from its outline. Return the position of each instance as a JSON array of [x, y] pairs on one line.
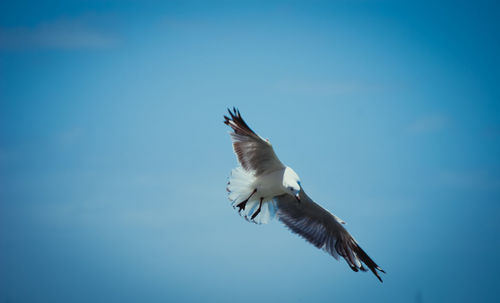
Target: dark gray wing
[[323, 230], [254, 153]]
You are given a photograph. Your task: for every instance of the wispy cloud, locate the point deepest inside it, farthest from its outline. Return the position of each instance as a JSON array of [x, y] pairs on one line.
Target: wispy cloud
[[429, 124], [60, 34]]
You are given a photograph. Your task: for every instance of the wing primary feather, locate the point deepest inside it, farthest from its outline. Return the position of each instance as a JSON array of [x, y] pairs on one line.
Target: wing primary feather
[[253, 152], [321, 228], [368, 261], [237, 123]]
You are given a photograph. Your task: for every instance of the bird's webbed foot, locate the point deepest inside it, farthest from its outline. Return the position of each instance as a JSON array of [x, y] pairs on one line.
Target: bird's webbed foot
[[241, 206]]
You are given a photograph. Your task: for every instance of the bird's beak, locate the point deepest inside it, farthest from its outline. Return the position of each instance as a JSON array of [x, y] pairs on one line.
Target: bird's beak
[[297, 196]]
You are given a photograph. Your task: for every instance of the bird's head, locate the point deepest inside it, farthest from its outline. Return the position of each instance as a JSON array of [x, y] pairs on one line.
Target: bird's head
[[291, 183]]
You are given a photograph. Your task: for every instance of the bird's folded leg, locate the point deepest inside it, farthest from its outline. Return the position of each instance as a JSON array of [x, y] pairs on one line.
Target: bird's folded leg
[[242, 204], [258, 209]]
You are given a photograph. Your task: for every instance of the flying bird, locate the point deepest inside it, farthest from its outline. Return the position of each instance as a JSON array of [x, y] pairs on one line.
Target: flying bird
[[262, 187]]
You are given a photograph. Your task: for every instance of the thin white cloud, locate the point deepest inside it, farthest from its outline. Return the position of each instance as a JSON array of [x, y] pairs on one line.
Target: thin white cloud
[[428, 124], [60, 34]]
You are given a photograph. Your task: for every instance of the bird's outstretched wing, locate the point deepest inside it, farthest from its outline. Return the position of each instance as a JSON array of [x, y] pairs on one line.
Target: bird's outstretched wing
[[254, 153], [324, 230]]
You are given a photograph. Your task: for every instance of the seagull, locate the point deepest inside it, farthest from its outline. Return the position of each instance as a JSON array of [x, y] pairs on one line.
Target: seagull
[[262, 188]]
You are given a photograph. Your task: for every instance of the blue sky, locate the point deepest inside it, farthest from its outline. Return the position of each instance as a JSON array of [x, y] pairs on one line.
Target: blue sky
[[114, 157]]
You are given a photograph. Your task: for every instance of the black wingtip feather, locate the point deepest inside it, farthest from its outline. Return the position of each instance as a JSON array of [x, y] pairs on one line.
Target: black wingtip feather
[[239, 125], [369, 262]]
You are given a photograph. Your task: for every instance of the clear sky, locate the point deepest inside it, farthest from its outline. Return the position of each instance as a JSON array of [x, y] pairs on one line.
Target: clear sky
[[114, 157]]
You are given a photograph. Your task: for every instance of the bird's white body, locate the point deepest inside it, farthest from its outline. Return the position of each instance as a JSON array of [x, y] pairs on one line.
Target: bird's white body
[[244, 187], [253, 190], [270, 185], [274, 183]]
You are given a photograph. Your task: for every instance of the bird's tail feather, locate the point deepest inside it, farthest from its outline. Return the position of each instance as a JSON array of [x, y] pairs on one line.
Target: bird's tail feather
[[246, 200]]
